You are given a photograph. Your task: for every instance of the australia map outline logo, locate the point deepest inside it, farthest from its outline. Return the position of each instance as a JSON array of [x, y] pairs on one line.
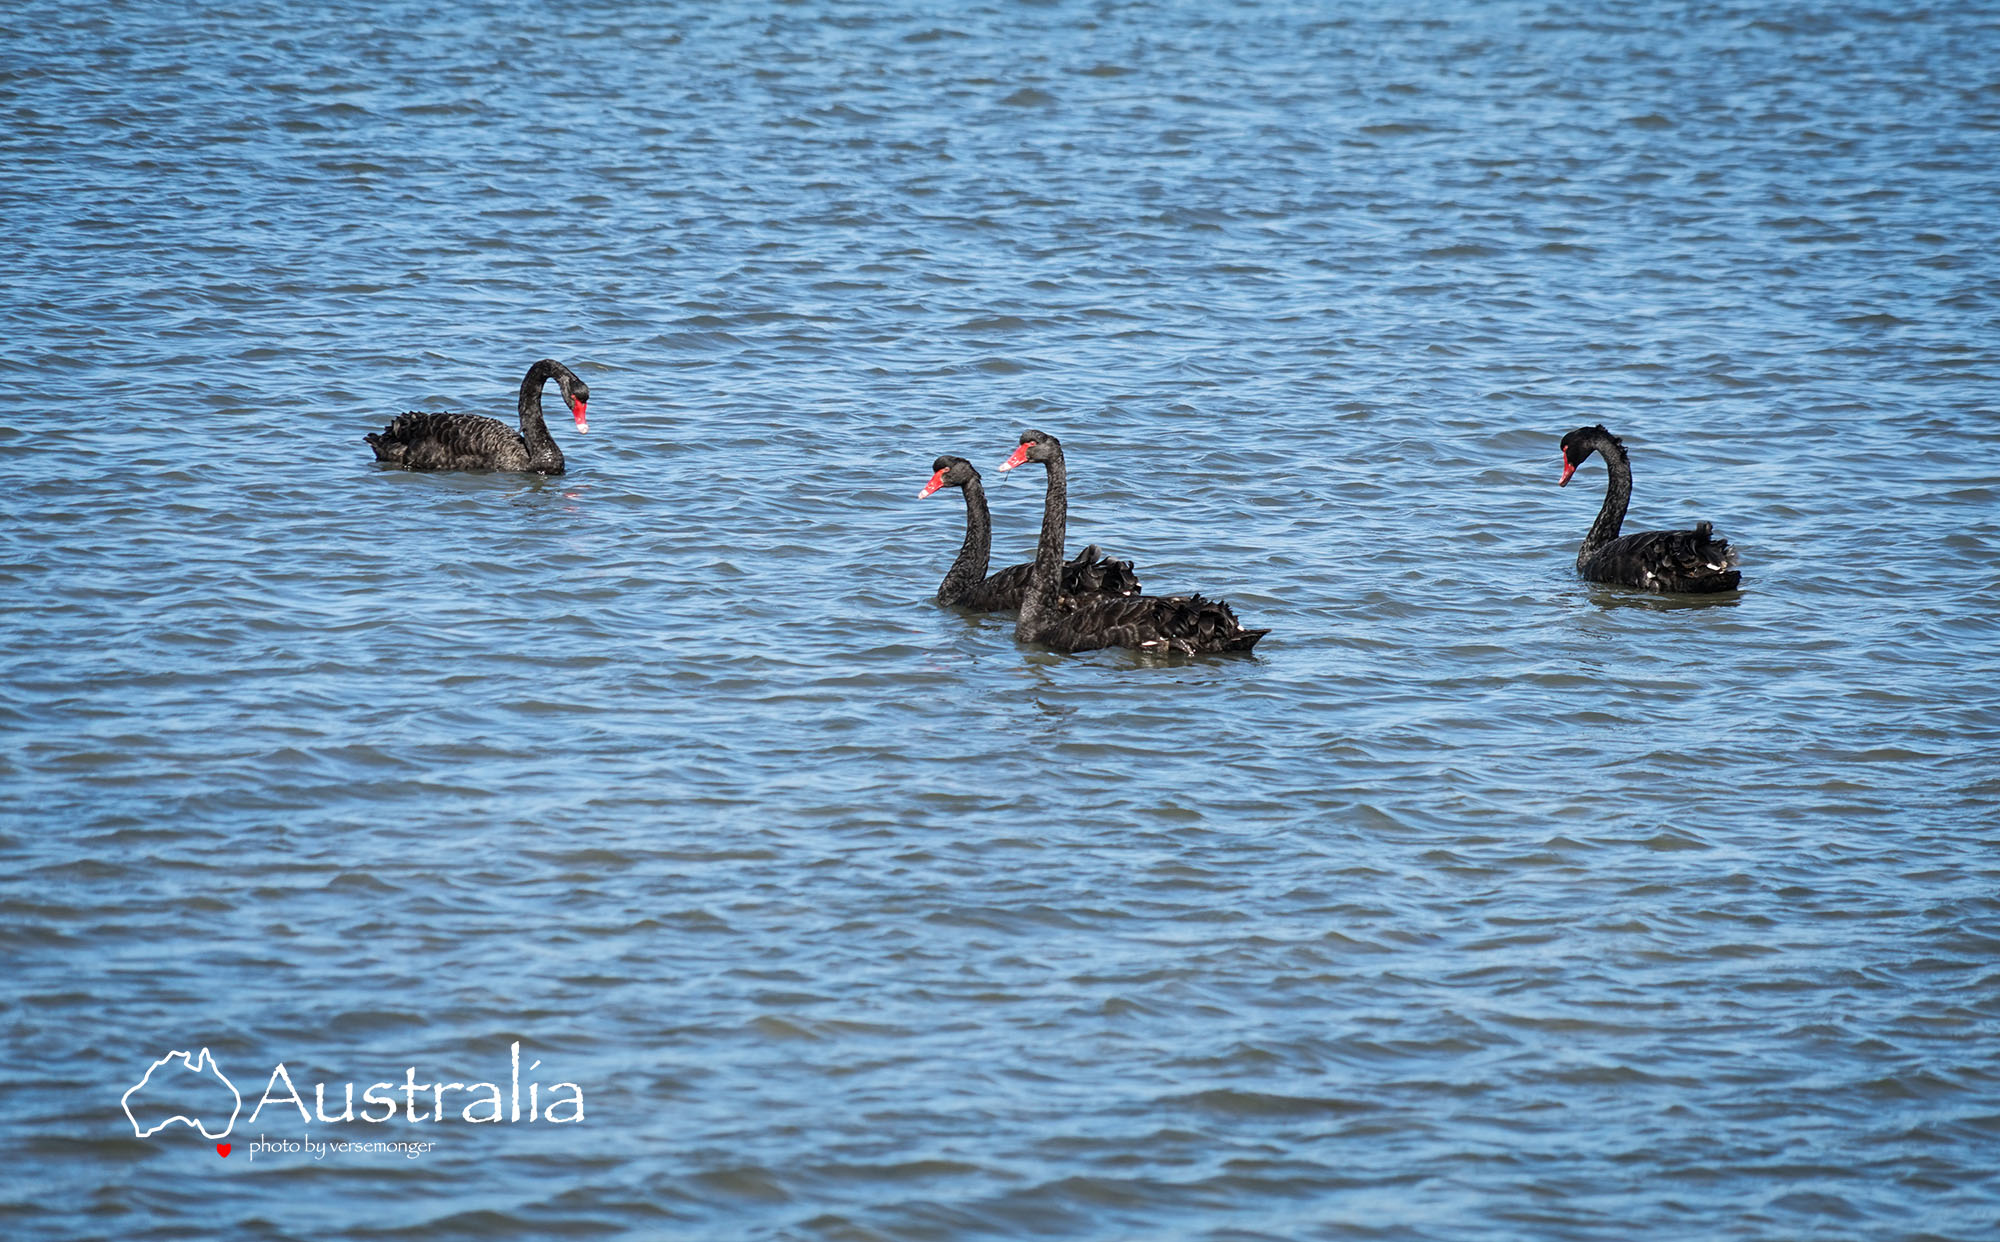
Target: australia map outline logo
[[201, 1065]]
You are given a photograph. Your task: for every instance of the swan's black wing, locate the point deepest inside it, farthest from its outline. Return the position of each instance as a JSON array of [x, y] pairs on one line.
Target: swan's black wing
[[1000, 592], [1187, 624], [1690, 562], [1087, 575], [449, 442]]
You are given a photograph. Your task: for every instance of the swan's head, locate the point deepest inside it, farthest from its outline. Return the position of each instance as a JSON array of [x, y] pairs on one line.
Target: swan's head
[[576, 395], [948, 472], [1035, 446], [1580, 444]]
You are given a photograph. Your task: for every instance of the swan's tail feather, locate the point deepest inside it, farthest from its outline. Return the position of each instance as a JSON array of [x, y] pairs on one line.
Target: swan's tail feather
[[1716, 553], [1245, 640]]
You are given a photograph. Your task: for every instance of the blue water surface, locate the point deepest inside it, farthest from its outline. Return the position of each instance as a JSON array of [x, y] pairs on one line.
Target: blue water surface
[[1479, 903]]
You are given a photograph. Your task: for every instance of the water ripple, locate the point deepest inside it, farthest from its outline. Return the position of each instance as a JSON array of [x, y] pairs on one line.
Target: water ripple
[[1480, 903]]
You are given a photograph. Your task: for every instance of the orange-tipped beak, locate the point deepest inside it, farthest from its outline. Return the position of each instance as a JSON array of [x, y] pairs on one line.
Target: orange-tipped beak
[[1020, 457], [582, 427], [937, 481], [1568, 470]]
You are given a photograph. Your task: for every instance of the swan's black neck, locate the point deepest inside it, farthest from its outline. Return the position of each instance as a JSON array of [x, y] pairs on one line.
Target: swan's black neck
[[969, 570], [1038, 603], [1617, 495], [543, 454]]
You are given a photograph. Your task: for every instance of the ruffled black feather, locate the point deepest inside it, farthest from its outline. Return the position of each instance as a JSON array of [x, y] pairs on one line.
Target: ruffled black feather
[[1185, 624], [1088, 576]]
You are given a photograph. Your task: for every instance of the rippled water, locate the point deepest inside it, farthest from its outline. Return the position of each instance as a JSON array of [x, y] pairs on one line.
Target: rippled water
[[1480, 903]]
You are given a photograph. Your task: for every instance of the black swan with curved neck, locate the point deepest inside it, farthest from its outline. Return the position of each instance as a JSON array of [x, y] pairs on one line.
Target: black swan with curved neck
[[475, 442], [966, 584], [1680, 561], [1184, 623]]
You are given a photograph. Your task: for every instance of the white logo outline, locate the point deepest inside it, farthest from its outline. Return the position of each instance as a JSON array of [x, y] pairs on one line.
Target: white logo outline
[[198, 1063]]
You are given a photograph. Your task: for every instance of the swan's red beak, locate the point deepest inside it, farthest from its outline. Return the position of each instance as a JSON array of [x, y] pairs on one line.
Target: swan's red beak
[[937, 481], [1568, 470], [582, 427], [1019, 458]]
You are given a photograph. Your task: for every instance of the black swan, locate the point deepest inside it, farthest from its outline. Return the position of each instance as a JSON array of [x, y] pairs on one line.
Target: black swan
[[1689, 561], [965, 585], [1183, 623], [475, 442]]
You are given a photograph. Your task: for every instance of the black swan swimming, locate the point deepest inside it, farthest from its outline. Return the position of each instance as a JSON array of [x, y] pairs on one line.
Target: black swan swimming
[[965, 585], [475, 442], [1689, 561], [1184, 623]]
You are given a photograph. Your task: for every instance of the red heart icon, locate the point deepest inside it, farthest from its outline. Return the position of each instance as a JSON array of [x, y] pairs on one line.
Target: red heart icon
[[222, 1149]]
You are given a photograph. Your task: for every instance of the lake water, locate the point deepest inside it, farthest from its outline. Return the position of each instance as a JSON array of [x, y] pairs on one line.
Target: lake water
[[1481, 903]]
